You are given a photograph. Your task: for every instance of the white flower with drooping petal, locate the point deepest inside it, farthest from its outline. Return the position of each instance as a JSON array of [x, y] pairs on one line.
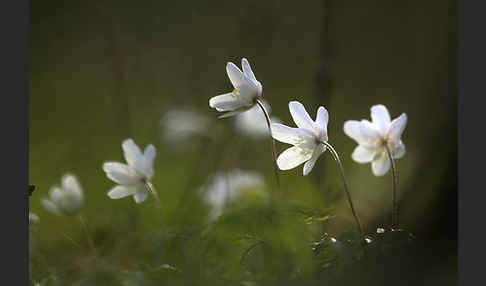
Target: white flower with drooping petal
[[253, 122], [246, 90], [180, 125], [224, 187], [372, 137], [66, 199], [305, 138], [133, 178]]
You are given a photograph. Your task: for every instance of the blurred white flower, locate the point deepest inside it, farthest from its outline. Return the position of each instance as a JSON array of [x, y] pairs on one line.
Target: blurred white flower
[[133, 178], [181, 125], [305, 138], [65, 200], [372, 137], [246, 90], [253, 123], [33, 218], [223, 188]]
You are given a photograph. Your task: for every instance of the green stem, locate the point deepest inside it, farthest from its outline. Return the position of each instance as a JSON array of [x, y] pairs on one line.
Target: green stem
[[153, 191], [272, 142], [88, 236], [394, 188], [346, 190]]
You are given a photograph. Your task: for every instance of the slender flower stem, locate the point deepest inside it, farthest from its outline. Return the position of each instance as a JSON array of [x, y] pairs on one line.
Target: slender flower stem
[[72, 240], [272, 141], [346, 190], [153, 191], [88, 235], [394, 188]]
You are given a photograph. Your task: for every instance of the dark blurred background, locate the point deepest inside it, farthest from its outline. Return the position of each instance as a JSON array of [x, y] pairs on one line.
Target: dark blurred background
[[103, 71]]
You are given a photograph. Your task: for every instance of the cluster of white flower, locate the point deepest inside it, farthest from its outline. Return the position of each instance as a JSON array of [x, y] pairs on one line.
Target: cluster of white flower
[[379, 143], [66, 199], [310, 136]]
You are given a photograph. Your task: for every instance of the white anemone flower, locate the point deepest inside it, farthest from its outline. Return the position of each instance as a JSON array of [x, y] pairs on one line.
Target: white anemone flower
[[66, 199], [133, 179], [306, 138], [33, 218], [181, 125], [247, 89], [225, 187], [253, 123], [373, 136]]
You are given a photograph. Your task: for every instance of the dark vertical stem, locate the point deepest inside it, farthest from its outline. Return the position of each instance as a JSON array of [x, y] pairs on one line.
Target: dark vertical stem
[[394, 189], [272, 142], [346, 189]]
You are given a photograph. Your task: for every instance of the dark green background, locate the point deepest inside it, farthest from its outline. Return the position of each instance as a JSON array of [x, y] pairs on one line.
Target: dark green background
[[103, 71]]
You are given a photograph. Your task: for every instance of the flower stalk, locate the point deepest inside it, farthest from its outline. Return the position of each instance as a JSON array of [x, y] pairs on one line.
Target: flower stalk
[[153, 191], [272, 142], [87, 233], [346, 189], [394, 188]]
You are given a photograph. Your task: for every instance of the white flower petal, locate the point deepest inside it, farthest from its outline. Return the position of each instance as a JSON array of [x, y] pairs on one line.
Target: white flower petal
[[120, 191], [250, 76], [121, 173], [247, 69], [363, 155], [234, 112], [71, 185], [148, 162], [131, 151], [57, 195], [396, 128], [322, 119], [301, 117], [370, 134], [140, 196], [227, 102], [399, 150], [380, 118], [309, 165], [50, 207], [381, 165], [290, 135], [236, 76], [352, 129], [293, 157]]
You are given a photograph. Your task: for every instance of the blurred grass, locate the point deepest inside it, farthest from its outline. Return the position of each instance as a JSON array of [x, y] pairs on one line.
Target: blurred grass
[[104, 72]]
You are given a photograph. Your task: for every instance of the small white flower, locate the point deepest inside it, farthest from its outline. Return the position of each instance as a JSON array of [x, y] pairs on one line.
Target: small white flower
[[253, 122], [65, 200], [33, 218], [372, 137], [181, 125], [305, 138], [246, 90], [133, 178], [225, 187]]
